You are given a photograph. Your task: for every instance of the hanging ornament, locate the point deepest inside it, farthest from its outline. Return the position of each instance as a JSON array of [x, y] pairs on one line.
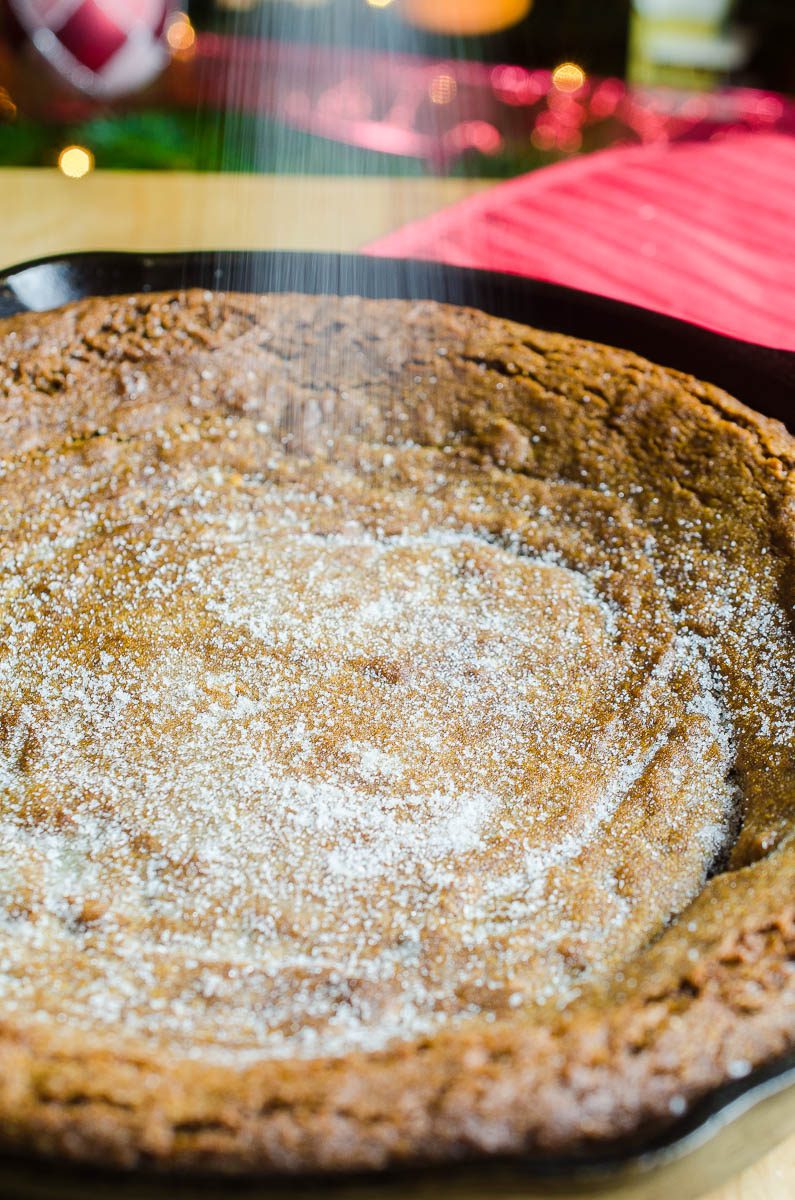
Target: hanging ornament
[[105, 48]]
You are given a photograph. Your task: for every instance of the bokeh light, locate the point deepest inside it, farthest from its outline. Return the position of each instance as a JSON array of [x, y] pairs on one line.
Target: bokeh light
[[75, 161], [543, 137], [180, 34], [568, 77], [479, 135], [442, 89], [465, 17], [516, 85]]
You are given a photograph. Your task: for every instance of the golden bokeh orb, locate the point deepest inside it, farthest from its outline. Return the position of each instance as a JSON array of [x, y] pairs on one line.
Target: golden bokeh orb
[[465, 17], [75, 162], [568, 77]]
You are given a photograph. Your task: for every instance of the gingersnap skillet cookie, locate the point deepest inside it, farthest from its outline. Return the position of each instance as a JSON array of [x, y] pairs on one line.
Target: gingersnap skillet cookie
[[397, 735]]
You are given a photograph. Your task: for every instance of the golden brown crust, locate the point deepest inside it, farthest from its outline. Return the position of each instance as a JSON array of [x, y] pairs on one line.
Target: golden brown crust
[[600, 1073], [715, 994]]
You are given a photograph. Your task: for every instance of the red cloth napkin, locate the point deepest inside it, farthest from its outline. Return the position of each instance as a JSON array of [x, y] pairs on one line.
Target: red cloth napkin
[[704, 231]]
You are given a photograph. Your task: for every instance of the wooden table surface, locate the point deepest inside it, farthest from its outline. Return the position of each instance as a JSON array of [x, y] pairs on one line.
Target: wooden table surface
[[46, 213]]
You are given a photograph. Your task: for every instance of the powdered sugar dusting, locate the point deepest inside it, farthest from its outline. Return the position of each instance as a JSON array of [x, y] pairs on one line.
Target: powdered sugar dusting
[[280, 780]]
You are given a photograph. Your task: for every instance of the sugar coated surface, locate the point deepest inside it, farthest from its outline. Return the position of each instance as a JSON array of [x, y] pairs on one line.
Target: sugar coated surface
[[287, 772]]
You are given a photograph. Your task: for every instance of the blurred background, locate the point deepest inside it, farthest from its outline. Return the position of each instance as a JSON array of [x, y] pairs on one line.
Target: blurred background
[[488, 88]]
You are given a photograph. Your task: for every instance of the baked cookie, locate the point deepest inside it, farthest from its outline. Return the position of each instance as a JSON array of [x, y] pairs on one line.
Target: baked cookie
[[397, 735]]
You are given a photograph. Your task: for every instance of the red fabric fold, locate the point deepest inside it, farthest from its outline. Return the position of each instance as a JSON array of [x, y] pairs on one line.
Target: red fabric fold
[[703, 231]]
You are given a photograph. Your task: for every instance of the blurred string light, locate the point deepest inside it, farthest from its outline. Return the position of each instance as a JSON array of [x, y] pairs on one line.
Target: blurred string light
[[443, 89], [180, 35], [380, 102], [543, 137], [568, 77], [75, 162], [379, 3], [516, 85]]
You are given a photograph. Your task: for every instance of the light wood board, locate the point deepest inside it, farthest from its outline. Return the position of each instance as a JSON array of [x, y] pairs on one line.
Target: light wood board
[[46, 213]]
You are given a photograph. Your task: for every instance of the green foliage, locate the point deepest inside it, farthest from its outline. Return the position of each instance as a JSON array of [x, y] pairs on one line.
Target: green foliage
[[25, 144], [141, 140], [232, 141]]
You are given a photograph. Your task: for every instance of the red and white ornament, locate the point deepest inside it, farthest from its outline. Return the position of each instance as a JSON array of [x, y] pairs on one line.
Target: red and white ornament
[[103, 47]]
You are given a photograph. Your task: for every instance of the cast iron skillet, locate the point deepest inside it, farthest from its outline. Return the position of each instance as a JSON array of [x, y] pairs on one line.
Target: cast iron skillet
[[733, 1124]]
